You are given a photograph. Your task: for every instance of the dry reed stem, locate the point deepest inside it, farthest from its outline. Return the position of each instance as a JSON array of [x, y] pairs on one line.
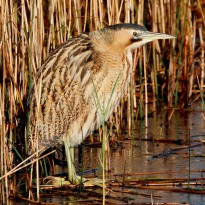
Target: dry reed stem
[[146, 93], [202, 59], [19, 167], [170, 116], [29, 30]]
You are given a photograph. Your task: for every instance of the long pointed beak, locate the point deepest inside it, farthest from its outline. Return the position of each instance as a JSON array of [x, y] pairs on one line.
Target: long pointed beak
[[150, 36]]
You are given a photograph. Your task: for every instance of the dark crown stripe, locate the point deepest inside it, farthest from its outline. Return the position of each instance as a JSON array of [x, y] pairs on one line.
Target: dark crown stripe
[[126, 26]]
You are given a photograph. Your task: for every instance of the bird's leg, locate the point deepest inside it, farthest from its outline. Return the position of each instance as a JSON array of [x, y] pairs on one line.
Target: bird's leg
[[73, 178]]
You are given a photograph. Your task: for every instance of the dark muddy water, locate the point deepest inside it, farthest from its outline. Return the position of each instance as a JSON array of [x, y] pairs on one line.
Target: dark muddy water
[[143, 156]]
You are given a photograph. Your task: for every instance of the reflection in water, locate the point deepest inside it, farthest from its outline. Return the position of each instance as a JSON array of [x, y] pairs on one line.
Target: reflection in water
[[135, 157]]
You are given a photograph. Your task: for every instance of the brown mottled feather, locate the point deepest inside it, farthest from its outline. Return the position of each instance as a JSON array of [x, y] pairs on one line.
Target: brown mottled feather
[[66, 82]]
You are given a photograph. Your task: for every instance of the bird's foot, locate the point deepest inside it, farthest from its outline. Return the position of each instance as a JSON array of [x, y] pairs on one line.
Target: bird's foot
[[77, 181]]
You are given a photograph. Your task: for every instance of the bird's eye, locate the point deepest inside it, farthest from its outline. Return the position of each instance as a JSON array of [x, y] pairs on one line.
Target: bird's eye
[[135, 33]]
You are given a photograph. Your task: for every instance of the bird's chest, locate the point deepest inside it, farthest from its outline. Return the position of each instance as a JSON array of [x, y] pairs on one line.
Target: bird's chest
[[111, 82]]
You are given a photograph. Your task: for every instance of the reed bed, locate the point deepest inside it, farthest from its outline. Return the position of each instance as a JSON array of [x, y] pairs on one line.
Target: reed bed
[[170, 73]]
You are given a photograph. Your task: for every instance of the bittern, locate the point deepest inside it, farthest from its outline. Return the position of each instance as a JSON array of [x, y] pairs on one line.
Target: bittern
[[84, 72]]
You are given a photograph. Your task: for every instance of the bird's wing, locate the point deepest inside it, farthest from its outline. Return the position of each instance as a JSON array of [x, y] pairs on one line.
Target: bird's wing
[[57, 99]]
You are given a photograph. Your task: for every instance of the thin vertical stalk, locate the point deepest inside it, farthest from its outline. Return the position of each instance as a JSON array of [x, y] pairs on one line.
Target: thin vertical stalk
[[171, 71], [2, 123], [51, 27], [170, 81], [189, 161], [192, 48], [86, 15], [202, 66], [100, 6], [103, 158], [155, 84], [128, 109], [180, 53], [162, 18], [141, 87], [119, 11], [145, 79], [4, 153], [132, 108], [31, 69], [154, 71], [140, 12]]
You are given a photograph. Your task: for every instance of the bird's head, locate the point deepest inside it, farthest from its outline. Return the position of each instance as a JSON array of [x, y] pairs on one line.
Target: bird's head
[[129, 36]]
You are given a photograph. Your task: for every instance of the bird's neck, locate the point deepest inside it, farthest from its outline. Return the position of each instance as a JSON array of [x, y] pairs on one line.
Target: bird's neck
[[103, 43]]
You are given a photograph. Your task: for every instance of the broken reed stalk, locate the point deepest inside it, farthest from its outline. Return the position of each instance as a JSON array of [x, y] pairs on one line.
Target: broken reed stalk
[[31, 29]]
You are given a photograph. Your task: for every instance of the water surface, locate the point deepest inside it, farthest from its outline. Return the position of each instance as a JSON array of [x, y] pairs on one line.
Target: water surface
[[141, 158]]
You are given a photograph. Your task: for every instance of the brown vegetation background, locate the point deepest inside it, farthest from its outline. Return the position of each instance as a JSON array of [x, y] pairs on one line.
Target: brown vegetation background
[[30, 29]]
